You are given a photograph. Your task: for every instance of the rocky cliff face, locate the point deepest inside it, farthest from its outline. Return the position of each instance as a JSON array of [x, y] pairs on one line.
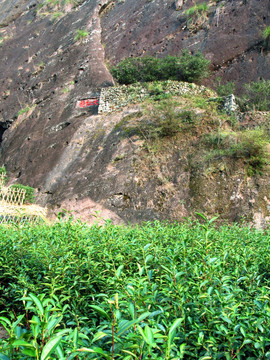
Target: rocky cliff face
[[230, 34], [52, 138]]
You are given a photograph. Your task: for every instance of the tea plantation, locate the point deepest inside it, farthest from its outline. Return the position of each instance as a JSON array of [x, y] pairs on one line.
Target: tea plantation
[[154, 291]]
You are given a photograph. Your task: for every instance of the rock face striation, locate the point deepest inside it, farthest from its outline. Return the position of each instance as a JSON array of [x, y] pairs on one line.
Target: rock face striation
[[229, 33], [54, 66]]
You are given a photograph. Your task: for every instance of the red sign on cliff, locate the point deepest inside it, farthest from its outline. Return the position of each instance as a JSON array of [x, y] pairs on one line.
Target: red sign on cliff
[[87, 103]]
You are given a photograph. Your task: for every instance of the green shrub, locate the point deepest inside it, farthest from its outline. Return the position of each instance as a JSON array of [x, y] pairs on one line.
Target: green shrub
[[266, 37], [80, 35], [127, 71], [257, 95], [3, 170], [188, 117], [170, 69], [134, 70], [29, 192], [161, 119], [3, 173], [266, 33], [193, 67], [56, 15], [146, 69], [149, 68], [197, 10], [157, 90], [248, 145], [42, 333], [24, 110], [251, 147], [225, 89], [196, 16], [164, 120]]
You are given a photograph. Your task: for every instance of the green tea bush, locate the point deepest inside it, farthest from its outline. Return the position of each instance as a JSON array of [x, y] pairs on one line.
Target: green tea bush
[[186, 67], [38, 334], [159, 291], [170, 68]]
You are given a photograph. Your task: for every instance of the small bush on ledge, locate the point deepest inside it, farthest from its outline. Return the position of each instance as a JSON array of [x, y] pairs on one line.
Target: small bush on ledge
[[266, 37], [248, 145], [187, 67], [80, 35], [161, 119], [257, 95]]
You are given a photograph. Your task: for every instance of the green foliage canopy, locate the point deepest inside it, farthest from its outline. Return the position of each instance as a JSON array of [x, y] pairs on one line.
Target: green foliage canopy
[[187, 67], [185, 291]]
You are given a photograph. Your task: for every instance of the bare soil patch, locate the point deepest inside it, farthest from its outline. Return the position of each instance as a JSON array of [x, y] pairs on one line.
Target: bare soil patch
[[3, 333]]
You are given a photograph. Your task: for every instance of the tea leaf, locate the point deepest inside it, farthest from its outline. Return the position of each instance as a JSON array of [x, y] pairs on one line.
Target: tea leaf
[[129, 324], [24, 343], [149, 335], [4, 357], [50, 347], [99, 335], [37, 302], [119, 270], [100, 311]]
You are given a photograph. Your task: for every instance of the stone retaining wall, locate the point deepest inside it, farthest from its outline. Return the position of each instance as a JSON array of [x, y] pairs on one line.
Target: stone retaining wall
[[115, 98]]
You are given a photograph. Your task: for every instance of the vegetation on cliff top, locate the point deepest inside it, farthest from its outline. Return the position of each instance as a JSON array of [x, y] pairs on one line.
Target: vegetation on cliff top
[[166, 122], [179, 291], [190, 68]]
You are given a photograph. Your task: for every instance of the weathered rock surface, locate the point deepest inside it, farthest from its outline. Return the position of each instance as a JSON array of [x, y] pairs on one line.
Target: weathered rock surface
[[78, 160], [230, 35]]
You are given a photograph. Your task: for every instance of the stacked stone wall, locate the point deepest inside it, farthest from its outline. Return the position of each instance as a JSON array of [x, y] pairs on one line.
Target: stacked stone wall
[[115, 98]]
